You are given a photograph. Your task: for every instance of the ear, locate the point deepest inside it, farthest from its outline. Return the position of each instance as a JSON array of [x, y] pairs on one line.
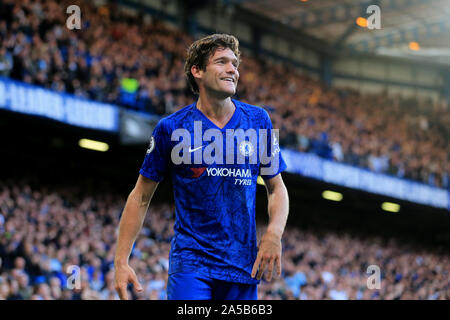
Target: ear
[[196, 72]]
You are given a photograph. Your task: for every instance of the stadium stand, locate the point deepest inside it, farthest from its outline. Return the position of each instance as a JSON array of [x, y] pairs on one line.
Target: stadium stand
[[35, 255], [138, 64]]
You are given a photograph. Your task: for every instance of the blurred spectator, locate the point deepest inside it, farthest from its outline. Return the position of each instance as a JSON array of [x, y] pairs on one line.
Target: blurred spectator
[[6, 62]]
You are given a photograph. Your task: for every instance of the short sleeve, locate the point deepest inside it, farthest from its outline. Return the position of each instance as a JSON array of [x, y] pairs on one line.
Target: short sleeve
[[156, 161], [272, 162]]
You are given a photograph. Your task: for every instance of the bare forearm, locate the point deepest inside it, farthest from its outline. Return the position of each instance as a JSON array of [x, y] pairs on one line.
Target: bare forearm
[[269, 251], [278, 207], [131, 223]]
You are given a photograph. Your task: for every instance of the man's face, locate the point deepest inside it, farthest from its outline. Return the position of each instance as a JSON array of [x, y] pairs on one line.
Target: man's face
[[221, 75]]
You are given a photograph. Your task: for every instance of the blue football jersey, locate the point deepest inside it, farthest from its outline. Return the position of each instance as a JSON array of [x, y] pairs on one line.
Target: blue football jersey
[[215, 229]]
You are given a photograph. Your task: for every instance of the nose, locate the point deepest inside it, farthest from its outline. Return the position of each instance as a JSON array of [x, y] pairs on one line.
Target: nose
[[231, 68]]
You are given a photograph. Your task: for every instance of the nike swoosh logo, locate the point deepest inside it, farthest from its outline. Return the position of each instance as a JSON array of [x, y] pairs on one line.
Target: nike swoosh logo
[[192, 150]]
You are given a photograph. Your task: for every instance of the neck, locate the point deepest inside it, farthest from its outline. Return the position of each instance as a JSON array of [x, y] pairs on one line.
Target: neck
[[214, 107]]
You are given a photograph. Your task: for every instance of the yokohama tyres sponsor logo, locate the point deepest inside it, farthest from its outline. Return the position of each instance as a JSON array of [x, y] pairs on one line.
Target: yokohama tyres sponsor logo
[[227, 172]]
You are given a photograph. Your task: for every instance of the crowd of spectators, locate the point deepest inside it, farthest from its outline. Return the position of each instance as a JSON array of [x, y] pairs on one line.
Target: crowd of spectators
[[61, 244], [135, 61]]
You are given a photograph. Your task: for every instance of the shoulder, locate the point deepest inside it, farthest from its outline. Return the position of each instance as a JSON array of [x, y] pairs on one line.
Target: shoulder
[[254, 112], [176, 119]]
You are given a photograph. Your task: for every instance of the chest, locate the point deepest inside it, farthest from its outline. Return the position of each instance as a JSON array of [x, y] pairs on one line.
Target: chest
[[230, 152]]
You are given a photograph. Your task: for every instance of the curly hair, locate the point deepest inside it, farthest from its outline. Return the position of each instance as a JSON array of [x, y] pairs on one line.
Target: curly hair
[[201, 50]]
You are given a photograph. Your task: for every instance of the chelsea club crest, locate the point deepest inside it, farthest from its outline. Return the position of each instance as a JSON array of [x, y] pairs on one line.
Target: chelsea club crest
[[246, 148]]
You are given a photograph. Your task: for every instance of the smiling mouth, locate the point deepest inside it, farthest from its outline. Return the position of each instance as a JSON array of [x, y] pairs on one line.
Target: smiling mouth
[[228, 79]]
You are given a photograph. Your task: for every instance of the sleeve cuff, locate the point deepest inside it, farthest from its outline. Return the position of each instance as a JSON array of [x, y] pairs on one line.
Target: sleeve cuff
[[151, 176]]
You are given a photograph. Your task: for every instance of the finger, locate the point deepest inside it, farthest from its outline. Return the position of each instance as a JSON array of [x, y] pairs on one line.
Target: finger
[[137, 286], [122, 291], [261, 269], [278, 263], [270, 269], [255, 265]]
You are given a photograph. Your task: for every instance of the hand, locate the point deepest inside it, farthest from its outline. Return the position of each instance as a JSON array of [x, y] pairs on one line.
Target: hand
[[124, 274], [269, 253]]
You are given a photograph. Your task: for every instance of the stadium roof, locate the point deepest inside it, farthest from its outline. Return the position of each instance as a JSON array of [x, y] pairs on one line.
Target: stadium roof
[[425, 22]]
